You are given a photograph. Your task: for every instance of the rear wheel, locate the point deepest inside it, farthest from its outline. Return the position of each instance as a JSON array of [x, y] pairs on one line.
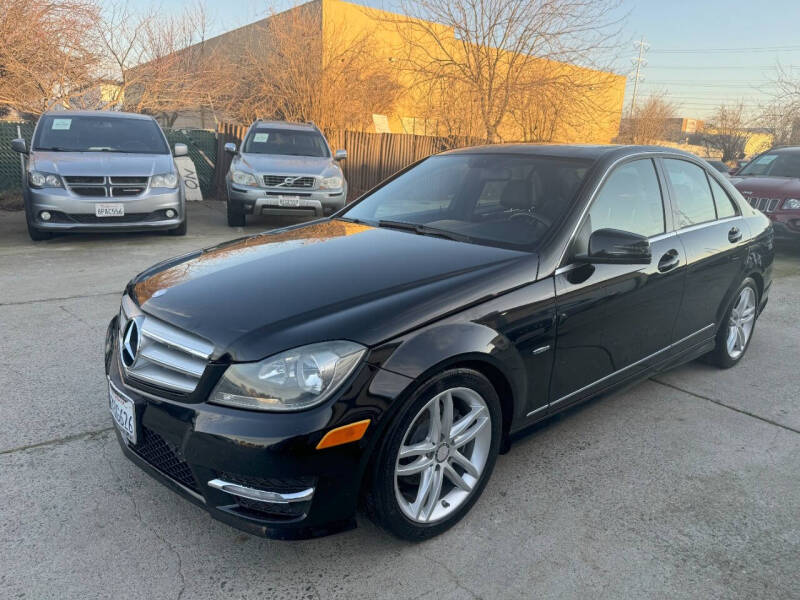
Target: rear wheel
[[437, 456], [236, 216], [736, 331]]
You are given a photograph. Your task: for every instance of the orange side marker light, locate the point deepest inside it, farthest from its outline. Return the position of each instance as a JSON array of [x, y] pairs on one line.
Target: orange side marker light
[[344, 434]]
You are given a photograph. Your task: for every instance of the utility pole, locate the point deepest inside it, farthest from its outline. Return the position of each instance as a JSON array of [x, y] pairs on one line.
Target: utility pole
[[638, 62]]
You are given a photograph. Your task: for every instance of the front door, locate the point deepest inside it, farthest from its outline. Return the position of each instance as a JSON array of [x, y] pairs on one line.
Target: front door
[[615, 320]]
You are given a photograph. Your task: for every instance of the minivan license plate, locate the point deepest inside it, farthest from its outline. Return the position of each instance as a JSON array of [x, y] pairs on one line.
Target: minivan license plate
[[109, 210], [122, 409]]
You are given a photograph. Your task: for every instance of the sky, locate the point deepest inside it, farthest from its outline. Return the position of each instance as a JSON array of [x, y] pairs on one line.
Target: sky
[[701, 53]]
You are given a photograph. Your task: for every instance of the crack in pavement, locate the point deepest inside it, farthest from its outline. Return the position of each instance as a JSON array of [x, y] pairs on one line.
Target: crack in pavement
[[728, 406], [124, 489], [57, 442], [452, 576], [76, 297]]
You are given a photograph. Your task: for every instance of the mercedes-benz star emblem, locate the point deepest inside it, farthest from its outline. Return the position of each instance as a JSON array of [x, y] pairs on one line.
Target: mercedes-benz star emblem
[[130, 343]]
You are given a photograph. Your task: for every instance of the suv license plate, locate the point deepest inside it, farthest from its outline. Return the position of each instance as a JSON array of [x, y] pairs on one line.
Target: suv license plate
[[288, 200], [124, 413], [109, 210]]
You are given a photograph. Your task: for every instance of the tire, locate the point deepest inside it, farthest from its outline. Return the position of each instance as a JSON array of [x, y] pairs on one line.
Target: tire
[[37, 235], [729, 351], [180, 229], [394, 497], [236, 216]]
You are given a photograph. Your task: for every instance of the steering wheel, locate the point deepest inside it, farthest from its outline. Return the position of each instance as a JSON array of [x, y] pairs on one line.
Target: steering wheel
[[529, 216]]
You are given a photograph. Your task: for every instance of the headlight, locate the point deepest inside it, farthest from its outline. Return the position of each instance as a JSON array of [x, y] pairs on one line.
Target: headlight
[[243, 178], [292, 380], [791, 204], [330, 183], [164, 180], [44, 180]]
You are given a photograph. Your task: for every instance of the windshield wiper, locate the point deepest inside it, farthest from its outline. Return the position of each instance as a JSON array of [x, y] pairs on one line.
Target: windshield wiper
[[424, 230]]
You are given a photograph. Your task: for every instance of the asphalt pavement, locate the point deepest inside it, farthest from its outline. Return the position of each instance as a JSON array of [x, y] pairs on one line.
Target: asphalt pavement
[[683, 486]]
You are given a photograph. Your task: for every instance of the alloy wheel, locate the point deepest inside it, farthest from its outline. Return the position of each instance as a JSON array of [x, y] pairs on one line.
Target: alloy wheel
[[443, 454], [740, 325]]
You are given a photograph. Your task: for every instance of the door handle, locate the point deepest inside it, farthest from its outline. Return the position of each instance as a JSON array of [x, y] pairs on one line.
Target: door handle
[[734, 235], [669, 261]]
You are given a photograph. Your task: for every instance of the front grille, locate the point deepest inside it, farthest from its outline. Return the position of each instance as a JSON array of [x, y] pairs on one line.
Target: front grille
[[165, 357], [156, 451], [764, 204], [96, 186], [288, 181]]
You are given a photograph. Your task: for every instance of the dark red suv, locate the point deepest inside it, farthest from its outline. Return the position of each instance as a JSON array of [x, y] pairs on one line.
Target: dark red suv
[[771, 183]]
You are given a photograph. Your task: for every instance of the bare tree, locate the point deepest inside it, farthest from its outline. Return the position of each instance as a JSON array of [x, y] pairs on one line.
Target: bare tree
[[495, 49], [727, 131], [290, 67], [44, 54], [649, 122], [781, 117]]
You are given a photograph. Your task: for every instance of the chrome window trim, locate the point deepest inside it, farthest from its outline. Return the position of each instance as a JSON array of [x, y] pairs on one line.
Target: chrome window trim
[[705, 224], [625, 368]]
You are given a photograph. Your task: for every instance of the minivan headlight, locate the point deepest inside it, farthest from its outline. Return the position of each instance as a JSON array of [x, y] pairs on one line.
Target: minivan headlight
[[292, 380], [330, 183], [164, 180], [44, 180], [243, 178]]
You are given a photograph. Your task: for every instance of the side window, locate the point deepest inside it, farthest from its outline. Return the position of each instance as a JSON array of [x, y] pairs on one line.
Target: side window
[[693, 202], [725, 206], [629, 200]]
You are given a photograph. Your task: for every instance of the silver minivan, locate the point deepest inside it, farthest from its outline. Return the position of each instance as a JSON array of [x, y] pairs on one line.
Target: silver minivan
[[101, 171]]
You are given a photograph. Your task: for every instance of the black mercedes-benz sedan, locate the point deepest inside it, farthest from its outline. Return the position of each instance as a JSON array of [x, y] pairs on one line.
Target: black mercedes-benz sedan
[[382, 358]]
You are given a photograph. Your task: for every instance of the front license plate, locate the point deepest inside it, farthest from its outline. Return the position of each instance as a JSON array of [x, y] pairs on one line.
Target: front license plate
[[124, 413], [288, 200], [109, 210]]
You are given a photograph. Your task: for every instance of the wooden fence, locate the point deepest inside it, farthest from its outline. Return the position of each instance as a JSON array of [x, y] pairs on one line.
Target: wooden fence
[[371, 157]]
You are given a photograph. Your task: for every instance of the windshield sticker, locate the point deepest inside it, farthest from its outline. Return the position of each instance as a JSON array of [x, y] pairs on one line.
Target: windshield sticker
[[260, 138], [61, 124]]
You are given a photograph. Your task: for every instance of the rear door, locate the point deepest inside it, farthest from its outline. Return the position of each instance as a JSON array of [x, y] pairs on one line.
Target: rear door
[[714, 237], [616, 320]]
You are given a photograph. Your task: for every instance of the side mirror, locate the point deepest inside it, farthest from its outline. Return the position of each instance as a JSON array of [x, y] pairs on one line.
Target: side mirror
[[230, 148], [612, 246], [340, 155], [181, 150], [18, 145]]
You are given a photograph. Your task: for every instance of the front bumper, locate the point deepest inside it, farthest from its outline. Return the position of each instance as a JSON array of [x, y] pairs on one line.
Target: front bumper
[[303, 492], [786, 225], [266, 201], [73, 213]]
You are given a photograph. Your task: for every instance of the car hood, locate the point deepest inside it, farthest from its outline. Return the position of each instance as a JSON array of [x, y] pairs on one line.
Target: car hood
[[772, 187], [327, 280], [278, 164], [101, 163]]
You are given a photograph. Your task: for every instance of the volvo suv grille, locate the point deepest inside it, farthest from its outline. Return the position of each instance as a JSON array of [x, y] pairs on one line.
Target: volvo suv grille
[[288, 181], [158, 353]]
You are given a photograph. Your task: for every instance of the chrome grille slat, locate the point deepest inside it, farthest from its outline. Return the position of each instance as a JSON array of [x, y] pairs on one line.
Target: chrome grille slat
[[166, 356], [299, 181], [102, 186], [765, 204]]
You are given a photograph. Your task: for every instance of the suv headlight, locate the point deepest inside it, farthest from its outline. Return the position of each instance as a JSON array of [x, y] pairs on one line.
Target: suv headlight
[[243, 178], [164, 180], [330, 183], [791, 204], [292, 380], [38, 179]]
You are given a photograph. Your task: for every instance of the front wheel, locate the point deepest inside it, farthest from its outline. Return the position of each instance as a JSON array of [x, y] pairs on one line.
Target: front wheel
[[437, 456], [236, 216], [736, 331], [179, 230]]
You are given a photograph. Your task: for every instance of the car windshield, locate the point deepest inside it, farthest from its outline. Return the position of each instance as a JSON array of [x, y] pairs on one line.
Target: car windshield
[[773, 164], [95, 133], [719, 166], [498, 199], [287, 142]]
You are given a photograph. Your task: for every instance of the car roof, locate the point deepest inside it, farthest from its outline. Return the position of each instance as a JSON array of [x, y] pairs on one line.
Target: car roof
[[581, 151], [286, 125], [97, 113], [784, 149]]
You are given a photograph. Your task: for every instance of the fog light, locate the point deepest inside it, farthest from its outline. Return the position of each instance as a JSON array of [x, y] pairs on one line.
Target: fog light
[[170, 213], [44, 215]]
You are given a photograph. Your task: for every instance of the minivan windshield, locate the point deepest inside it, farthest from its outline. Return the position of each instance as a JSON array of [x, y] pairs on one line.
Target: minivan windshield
[[97, 133], [773, 164], [288, 142], [506, 200]]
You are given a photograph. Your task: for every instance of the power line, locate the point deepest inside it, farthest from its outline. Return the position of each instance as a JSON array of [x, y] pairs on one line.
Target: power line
[[639, 62], [793, 48]]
